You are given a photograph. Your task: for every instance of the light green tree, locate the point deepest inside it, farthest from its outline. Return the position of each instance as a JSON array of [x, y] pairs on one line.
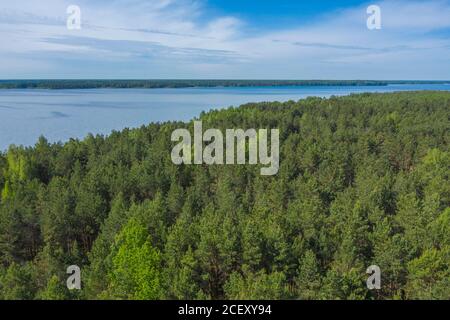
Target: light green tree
[[136, 271]]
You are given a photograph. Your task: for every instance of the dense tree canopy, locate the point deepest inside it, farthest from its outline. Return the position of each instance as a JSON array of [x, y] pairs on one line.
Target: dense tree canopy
[[363, 180]]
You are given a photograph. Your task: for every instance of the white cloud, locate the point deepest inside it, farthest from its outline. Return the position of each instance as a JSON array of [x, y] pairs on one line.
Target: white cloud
[[177, 38]]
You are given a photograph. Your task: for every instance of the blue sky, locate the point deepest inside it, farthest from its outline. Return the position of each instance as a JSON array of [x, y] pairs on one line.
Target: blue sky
[[233, 39], [266, 14]]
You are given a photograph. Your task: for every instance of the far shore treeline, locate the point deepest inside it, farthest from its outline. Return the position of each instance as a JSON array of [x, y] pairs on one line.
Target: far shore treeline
[[168, 83]]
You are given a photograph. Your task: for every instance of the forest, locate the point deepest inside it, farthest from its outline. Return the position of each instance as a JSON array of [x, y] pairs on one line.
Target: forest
[[168, 83], [363, 180]]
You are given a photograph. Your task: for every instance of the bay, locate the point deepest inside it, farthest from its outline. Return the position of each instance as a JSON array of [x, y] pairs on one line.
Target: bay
[[26, 114]]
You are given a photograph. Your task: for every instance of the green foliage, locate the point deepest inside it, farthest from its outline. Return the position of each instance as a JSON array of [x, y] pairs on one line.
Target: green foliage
[[258, 286], [308, 277], [55, 290], [429, 275], [89, 84], [17, 282], [136, 265], [363, 180]]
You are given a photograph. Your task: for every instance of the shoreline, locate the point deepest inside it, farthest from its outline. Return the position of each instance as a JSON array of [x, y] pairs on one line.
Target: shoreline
[[66, 84], [219, 109]]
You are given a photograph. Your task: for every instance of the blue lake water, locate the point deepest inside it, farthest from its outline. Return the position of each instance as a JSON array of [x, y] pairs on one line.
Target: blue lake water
[[26, 114]]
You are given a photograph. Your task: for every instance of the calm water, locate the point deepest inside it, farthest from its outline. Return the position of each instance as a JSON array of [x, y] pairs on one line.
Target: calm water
[[63, 114]]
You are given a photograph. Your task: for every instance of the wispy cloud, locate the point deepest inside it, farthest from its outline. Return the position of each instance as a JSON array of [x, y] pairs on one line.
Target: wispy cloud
[[179, 38]]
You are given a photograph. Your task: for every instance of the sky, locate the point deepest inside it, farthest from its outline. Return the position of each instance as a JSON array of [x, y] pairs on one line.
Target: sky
[[225, 39]]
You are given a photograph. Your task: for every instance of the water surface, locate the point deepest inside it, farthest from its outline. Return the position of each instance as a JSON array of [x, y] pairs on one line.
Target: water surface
[[59, 115]]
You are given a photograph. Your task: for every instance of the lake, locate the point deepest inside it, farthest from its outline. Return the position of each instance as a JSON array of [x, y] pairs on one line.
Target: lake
[[25, 114]]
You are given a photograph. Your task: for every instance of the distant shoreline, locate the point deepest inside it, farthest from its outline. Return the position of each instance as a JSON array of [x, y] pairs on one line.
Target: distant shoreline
[[186, 83]]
